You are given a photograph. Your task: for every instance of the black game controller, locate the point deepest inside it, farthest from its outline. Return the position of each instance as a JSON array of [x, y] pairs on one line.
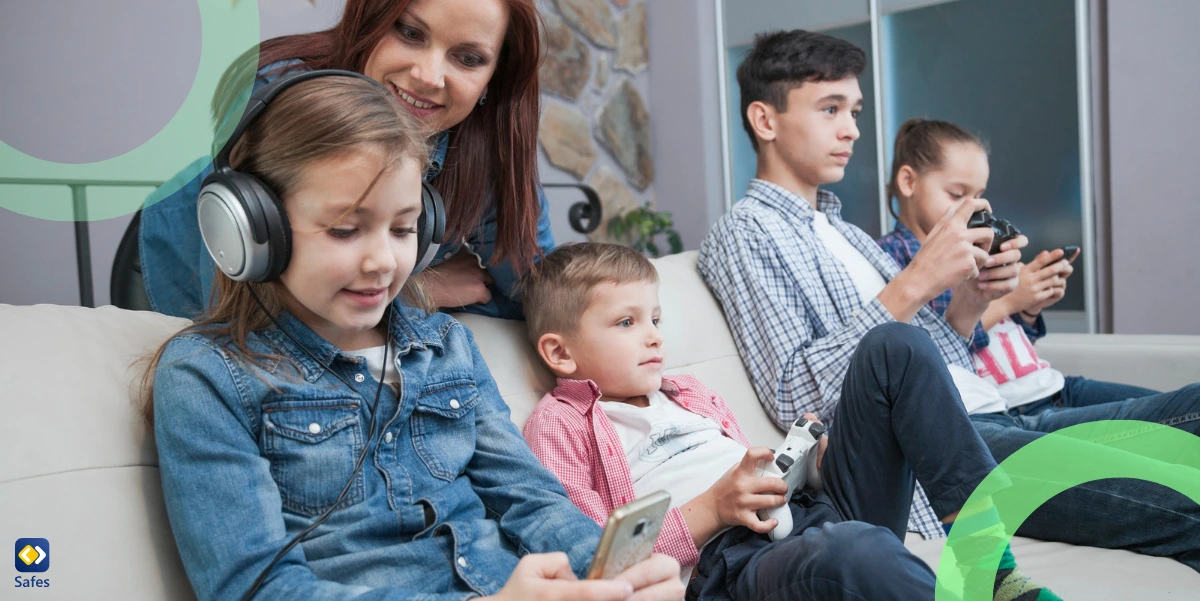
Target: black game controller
[[1002, 230]]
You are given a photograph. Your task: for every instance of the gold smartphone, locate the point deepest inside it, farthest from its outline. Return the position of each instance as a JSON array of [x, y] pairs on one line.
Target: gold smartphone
[[629, 535]]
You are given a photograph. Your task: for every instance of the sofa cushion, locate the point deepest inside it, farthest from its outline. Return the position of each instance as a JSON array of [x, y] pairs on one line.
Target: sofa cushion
[[1155, 362], [69, 373], [80, 469], [1087, 573]]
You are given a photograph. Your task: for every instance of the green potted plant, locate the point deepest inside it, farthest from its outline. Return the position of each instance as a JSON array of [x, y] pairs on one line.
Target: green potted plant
[[640, 228]]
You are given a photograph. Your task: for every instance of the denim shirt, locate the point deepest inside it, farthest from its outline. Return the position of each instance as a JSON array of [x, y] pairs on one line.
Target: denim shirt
[[448, 498], [178, 273]]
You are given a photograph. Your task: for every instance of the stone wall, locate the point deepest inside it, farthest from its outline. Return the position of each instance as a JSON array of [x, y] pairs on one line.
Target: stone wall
[[595, 125]]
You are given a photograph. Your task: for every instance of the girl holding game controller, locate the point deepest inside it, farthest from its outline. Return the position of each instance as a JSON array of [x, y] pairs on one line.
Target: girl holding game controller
[[939, 164]]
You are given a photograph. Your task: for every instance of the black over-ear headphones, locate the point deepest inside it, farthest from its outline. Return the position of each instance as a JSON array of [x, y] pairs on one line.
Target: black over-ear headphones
[[242, 221]]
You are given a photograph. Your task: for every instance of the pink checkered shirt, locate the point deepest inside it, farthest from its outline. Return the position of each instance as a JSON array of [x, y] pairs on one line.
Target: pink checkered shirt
[[580, 445]]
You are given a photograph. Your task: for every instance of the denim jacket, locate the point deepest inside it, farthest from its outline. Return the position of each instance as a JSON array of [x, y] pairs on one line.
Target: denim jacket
[[448, 499], [178, 273]]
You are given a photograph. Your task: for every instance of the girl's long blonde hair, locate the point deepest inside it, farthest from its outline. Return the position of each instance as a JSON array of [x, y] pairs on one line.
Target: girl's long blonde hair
[[309, 122]]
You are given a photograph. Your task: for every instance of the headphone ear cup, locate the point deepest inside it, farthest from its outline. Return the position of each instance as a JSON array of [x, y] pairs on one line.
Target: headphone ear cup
[[278, 228], [431, 227], [232, 225]]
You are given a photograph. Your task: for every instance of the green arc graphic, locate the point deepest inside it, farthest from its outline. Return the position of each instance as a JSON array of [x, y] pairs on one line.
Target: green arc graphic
[[227, 30], [1051, 465]]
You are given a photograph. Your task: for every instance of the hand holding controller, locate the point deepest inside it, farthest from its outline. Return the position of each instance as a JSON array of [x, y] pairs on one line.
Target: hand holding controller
[[1002, 230], [796, 463]]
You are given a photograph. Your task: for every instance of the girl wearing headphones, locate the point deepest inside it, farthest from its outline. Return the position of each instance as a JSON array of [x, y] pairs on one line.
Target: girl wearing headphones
[[467, 69], [319, 435]]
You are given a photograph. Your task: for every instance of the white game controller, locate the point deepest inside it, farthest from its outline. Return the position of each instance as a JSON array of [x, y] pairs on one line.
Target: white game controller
[[796, 463]]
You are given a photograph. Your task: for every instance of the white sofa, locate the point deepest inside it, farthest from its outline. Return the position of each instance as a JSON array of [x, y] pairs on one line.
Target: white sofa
[[80, 470]]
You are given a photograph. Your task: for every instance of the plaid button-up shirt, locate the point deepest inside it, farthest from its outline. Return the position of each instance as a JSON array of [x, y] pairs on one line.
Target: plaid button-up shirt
[[796, 315], [903, 245], [581, 446]]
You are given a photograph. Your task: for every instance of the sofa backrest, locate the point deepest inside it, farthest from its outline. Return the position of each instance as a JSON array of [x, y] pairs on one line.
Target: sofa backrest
[[79, 467]]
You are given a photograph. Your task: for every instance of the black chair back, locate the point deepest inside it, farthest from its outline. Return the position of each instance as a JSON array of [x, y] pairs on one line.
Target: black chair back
[[125, 286]]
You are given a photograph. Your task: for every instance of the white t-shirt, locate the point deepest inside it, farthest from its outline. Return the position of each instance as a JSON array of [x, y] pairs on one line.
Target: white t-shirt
[[670, 448], [374, 357], [978, 396], [865, 276], [1013, 367]]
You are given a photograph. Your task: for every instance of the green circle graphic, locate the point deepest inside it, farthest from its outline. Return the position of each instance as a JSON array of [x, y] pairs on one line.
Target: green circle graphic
[[227, 30], [1046, 467]]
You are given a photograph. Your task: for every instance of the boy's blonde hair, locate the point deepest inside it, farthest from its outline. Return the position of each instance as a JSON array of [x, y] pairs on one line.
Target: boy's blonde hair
[[561, 288]]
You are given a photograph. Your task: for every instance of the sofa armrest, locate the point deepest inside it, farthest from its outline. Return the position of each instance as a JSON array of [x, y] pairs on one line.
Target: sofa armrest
[[1158, 362]]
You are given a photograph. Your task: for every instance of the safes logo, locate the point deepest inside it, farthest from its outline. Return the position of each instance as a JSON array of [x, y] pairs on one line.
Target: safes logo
[[31, 555]]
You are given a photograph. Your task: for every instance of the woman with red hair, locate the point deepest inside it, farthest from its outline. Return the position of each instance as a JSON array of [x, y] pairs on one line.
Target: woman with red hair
[[468, 69]]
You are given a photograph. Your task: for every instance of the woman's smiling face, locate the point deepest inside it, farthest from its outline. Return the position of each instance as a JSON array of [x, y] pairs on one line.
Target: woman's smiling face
[[439, 57]]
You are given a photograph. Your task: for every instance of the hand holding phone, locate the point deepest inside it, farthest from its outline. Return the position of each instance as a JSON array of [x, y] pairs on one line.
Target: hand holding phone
[[629, 535], [1070, 253]]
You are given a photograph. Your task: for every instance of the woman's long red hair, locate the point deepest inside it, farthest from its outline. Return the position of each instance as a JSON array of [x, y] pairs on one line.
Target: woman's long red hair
[[493, 152]]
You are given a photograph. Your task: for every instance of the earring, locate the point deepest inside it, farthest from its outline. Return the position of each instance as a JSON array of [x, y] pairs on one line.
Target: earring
[[483, 98]]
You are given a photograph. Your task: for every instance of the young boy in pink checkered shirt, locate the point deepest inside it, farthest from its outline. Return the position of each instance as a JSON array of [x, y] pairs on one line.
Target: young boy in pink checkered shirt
[[615, 428]]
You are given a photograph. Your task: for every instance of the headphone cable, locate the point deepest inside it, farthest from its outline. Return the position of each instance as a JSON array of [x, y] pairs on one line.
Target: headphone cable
[[299, 537]]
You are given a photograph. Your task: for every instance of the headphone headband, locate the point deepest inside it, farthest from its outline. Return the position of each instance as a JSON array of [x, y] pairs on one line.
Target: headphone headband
[[263, 96], [243, 223]]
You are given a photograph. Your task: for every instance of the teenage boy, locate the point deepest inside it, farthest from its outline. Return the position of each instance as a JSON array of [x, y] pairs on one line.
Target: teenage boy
[[800, 288]]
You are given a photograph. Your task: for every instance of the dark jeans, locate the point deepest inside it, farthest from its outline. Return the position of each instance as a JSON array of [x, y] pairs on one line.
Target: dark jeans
[[900, 420], [1135, 515]]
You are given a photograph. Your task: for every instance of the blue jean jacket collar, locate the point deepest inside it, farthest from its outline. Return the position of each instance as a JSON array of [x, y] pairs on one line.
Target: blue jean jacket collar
[[437, 157], [408, 331]]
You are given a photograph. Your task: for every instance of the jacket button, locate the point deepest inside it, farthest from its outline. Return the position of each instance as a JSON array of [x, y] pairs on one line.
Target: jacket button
[[387, 438], [315, 428], [725, 423], [462, 562], [359, 377], [454, 403]]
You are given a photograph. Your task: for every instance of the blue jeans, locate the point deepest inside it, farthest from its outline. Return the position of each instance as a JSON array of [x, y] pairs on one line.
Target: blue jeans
[[1129, 514], [900, 420]]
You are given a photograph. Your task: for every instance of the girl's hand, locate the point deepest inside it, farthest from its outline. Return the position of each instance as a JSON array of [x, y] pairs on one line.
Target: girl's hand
[[1043, 282], [656, 579], [548, 577], [1001, 274], [972, 297], [458, 282]]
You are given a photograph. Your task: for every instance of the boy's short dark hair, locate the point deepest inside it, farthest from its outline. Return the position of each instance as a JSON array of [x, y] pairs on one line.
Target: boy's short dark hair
[[556, 294], [783, 60]]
